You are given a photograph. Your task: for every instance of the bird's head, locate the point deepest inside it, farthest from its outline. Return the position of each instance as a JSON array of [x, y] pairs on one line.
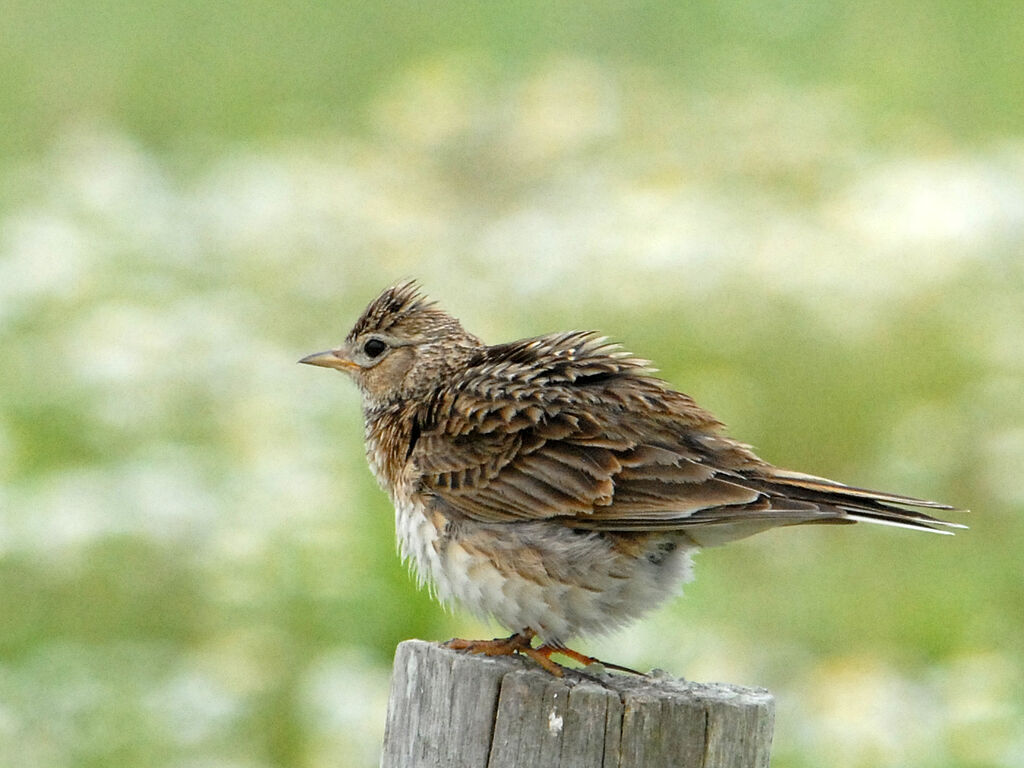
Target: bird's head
[[402, 346]]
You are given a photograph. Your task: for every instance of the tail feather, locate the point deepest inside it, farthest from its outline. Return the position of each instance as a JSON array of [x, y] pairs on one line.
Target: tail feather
[[853, 504], [900, 519]]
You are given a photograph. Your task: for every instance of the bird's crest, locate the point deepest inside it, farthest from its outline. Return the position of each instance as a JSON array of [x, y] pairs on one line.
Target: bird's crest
[[401, 304]]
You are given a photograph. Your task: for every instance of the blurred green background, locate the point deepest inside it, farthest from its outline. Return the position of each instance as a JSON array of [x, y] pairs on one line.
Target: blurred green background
[[810, 216]]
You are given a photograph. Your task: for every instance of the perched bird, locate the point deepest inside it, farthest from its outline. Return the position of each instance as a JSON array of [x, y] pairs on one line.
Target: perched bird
[[554, 483]]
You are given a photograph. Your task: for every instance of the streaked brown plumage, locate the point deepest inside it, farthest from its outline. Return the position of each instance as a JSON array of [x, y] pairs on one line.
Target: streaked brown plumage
[[554, 483]]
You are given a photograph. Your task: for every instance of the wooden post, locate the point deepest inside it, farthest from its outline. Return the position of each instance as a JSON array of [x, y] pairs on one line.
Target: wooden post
[[453, 710]]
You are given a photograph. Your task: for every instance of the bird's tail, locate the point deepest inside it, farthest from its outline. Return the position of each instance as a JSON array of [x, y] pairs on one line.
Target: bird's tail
[[839, 503]]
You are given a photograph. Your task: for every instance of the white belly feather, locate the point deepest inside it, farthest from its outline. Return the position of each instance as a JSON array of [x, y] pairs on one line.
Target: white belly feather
[[555, 611]]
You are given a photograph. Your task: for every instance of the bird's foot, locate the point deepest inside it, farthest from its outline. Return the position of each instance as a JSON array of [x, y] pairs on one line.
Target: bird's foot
[[586, 661], [499, 646], [521, 643]]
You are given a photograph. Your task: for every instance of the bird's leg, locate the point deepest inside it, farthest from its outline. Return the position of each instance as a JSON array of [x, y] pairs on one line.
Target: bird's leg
[[547, 650]]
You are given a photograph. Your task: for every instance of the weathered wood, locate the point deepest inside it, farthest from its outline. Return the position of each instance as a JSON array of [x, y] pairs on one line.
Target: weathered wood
[[453, 710]]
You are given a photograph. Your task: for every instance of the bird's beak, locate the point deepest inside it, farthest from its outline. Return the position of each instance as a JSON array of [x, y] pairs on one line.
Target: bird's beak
[[332, 358]]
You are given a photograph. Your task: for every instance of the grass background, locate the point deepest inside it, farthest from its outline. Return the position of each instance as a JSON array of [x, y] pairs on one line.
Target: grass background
[[810, 217]]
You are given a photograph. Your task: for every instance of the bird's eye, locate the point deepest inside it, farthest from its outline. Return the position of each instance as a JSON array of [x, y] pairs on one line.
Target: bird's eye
[[374, 348]]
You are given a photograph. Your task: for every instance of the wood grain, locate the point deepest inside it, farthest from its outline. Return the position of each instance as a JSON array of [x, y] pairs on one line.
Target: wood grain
[[452, 710]]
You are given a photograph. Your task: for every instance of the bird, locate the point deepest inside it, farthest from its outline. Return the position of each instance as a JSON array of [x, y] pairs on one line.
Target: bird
[[555, 484]]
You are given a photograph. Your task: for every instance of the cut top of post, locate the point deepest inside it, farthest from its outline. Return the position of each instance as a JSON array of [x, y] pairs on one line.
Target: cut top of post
[[453, 710]]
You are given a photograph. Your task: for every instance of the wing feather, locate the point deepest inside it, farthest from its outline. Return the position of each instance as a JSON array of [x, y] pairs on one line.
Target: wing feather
[[569, 427]]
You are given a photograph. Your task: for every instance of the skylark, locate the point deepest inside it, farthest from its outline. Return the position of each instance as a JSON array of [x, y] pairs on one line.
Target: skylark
[[554, 483]]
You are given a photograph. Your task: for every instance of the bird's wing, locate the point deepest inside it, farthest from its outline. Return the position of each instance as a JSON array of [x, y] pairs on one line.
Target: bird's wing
[[569, 427]]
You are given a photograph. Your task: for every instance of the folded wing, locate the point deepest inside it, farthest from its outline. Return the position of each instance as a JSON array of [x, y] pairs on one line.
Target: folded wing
[[570, 428]]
